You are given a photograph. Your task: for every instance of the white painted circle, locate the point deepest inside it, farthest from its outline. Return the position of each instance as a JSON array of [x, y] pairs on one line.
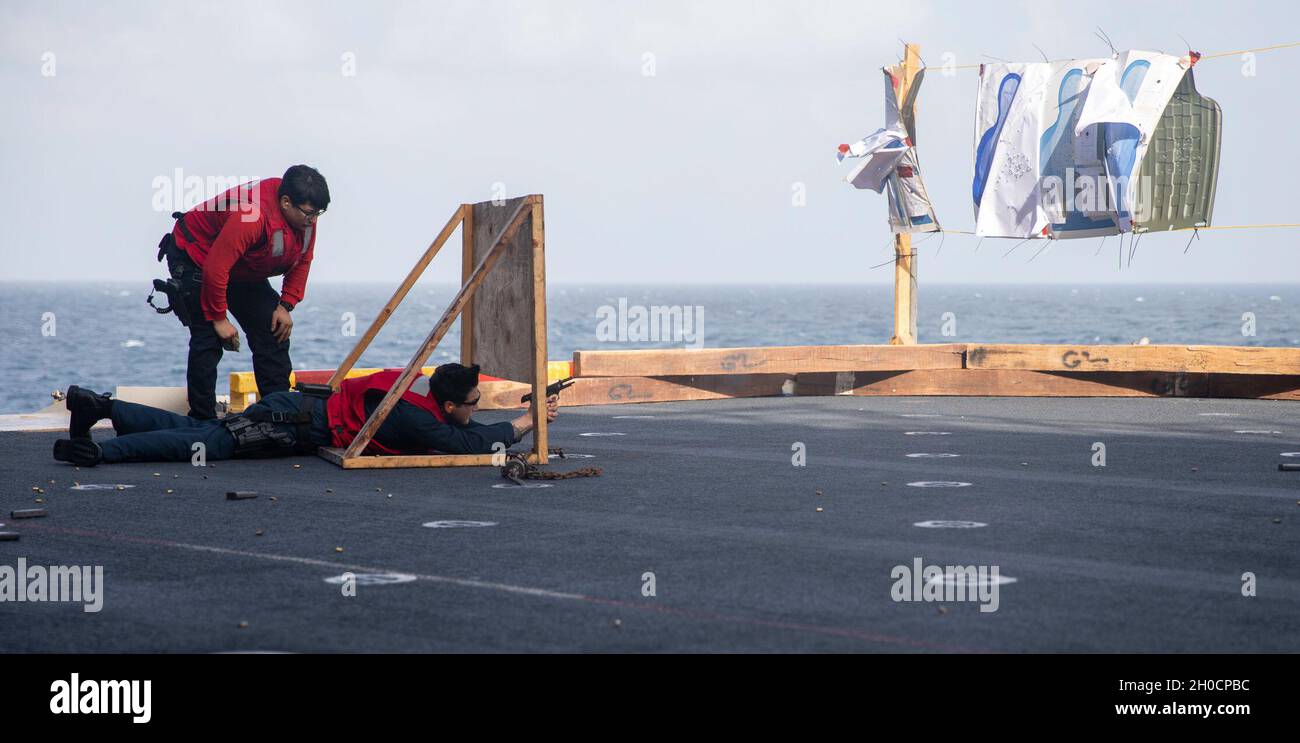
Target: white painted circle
[[597, 433], [99, 486], [924, 455], [927, 433], [937, 484], [635, 417], [980, 580], [511, 485], [457, 524], [949, 524], [372, 579], [1270, 433], [1225, 415], [1291, 453], [572, 456], [920, 415]]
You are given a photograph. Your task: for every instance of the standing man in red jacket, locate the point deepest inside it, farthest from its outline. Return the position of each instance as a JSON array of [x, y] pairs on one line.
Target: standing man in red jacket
[[221, 254]]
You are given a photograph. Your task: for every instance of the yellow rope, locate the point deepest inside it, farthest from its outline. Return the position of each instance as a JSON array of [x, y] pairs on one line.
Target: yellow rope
[[1246, 51]]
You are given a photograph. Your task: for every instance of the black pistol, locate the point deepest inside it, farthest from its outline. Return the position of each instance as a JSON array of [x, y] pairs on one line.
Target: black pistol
[[551, 389]]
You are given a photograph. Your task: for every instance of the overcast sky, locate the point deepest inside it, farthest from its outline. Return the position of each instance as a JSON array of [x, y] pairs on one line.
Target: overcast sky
[[683, 175]]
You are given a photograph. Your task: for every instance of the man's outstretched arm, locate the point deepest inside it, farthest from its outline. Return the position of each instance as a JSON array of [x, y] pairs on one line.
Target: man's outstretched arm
[[524, 423], [409, 429]]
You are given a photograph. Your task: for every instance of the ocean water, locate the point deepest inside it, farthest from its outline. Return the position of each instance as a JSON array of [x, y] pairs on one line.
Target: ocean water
[[101, 335]]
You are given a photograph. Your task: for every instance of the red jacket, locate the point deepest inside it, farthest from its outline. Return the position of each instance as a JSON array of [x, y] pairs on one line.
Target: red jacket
[[346, 408], [241, 235]]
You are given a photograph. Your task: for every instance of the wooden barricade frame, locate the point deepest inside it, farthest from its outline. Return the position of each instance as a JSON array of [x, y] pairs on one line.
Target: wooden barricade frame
[[531, 205]]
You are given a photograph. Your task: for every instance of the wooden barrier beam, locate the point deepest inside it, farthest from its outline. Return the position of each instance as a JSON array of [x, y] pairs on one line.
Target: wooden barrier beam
[[939, 382], [339, 457], [1255, 386], [1023, 383], [993, 383], [1167, 358], [766, 360]]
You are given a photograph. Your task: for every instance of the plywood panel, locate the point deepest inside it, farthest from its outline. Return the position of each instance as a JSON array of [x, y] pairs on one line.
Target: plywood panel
[[501, 314]]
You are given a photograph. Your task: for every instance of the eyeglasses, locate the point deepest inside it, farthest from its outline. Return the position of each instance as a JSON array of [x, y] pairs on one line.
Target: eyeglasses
[[307, 214], [470, 403]]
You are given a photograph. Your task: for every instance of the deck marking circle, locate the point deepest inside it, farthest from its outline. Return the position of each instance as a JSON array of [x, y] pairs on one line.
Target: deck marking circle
[[99, 486], [952, 579], [599, 433], [937, 484], [636, 417], [919, 415], [949, 524], [1271, 433], [457, 524], [372, 579], [924, 455], [567, 455], [927, 433], [1226, 415], [512, 486], [1291, 453]]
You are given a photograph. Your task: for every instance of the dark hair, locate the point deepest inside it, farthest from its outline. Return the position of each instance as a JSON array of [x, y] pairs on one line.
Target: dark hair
[[304, 184], [452, 382]]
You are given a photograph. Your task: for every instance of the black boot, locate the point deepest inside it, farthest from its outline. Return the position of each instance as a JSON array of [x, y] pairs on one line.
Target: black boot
[[81, 452], [88, 408]]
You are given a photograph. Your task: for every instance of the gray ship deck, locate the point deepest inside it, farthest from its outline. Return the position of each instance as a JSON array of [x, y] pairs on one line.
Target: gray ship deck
[[1145, 554]]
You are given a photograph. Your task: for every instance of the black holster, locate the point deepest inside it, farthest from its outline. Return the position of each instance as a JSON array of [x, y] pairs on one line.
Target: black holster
[[256, 439], [185, 278], [257, 435]]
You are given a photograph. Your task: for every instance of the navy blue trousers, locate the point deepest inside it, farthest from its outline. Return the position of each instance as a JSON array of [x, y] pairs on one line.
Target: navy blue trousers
[[146, 434], [252, 303]]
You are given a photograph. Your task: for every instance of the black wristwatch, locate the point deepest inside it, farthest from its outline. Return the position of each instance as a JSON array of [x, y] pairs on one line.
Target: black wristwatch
[[287, 307]]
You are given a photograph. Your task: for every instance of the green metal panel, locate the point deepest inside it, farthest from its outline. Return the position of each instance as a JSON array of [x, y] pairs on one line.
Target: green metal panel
[[1182, 162]]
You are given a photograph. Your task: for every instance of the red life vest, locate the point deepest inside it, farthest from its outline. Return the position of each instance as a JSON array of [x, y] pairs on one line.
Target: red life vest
[[281, 247], [347, 408]]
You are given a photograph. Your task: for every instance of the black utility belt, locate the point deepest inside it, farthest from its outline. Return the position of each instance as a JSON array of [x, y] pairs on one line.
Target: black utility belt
[[323, 391]]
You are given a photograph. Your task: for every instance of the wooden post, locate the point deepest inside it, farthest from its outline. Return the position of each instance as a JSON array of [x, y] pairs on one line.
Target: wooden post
[[540, 444], [466, 268], [904, 258]]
